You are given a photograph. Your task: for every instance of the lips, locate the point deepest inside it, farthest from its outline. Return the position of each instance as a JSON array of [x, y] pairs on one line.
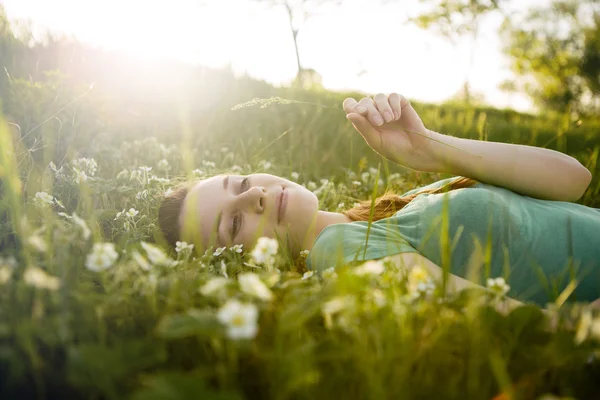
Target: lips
[[281, 204]]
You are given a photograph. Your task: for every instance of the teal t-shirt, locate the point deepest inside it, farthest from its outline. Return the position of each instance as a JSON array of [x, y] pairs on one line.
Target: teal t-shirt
[[536, 245]]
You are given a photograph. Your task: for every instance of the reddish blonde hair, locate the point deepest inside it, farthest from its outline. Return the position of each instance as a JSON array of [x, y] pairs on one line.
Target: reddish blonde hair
[[389, 203]]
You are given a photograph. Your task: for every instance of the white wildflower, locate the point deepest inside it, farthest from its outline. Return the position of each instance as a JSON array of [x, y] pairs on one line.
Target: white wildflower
[[163, 165], [236, 169], [240, 319], [9, 261], [340, 206], [498, 286], [264, 250], [80, 176], [219, 251], [132, 212], [356, 183], [43, 198], [377, 298], [308, 275], [5, 274], [102, 257], [197, 173], [251, 284], [142, 195], [304, 253], [86, 165], [37, 243], [419, 282], [145, 169], [214, 286], [295, 176], [224, 269], [37, 277], [238, 248], [369, 268], [141, 261], [266, 165], [183, 246], [365, 176], [311, 186], [373, 171], [168, 192], [157, 256], [329, 274], [208, 164]]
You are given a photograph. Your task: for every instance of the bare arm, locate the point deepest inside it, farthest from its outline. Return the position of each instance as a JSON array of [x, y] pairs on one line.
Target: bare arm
[[532, 171], [455, 283]]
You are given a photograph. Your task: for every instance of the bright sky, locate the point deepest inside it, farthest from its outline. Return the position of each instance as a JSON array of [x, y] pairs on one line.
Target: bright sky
[[253, 38]]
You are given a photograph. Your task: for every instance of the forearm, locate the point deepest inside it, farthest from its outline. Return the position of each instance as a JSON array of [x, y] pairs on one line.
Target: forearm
[[532, 171]]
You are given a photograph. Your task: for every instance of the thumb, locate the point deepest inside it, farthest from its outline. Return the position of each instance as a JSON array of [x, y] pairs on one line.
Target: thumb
[[366, 129]]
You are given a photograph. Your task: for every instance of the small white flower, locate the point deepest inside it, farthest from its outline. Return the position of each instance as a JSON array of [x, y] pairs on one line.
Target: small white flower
[[9, 261], [141, 261], [311, 186], [369, 268], [304, 253], [356, 183], [183, 246], [419, 282], [329, 274], [338, 303], [238, 248], [145, 169], [340, 205], [168, 192], [251, 284], [236, 168], [37, 277], [37, 243], [44, 198], [142, 195], [377, 297], [214, 286], [219, 251], [157, 256], [197, 173], [224, 269], [5, 274], [241, 319], [498, 286], [264, 250], [163, 165], [308, 275], [365, 176], [102, 257], [80, 176], [266, 165], [132, 212], [208, 164], [295, 176]]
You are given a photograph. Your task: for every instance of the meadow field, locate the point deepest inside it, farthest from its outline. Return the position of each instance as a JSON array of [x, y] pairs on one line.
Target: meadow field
[[94, 306]]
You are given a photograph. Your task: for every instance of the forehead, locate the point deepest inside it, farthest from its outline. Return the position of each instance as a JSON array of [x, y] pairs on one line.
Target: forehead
[[201, 207]]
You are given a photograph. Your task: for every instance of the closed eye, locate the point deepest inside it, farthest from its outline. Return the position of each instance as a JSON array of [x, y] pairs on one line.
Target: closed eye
[[245, 184], [236, 224]]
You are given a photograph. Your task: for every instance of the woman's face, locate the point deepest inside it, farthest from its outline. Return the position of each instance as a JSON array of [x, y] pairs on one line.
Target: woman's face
[[231, 209]]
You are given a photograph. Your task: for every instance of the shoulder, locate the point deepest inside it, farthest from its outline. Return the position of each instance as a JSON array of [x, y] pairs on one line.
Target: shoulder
[[342, 244]]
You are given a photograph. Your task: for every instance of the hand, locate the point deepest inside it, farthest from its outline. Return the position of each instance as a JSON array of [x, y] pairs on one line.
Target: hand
[[386, 122]]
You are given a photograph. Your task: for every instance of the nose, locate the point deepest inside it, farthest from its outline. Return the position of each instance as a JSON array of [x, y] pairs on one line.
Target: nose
[[253, 199]]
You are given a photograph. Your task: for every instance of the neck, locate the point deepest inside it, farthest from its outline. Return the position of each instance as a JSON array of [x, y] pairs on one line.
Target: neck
[[324, 219]]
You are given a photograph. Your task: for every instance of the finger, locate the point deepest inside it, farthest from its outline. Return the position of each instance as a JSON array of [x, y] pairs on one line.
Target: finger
[[367, 130], [395, 103], [381, 101], [372, 112], [351, 105]]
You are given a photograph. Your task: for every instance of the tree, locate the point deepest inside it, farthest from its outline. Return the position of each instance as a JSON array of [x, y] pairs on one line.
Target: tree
[[299, 11], [555, 52]]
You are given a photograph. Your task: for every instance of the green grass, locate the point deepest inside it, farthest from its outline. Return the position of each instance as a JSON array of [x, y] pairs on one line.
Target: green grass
[[143, 328]]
